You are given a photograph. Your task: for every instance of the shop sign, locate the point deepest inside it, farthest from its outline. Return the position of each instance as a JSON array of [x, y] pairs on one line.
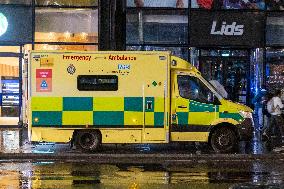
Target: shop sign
[[227, 28], [43, 80]]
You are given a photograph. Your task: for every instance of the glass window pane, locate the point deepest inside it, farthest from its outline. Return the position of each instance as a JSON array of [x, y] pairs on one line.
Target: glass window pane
[[244, 4], [181, 52], [228, 4], [18, 2], [57, 25], [274, 69], [156, 27], [132, 31], [68, 2], [14, 49], [225, 53], [66, 47], [275, 30], [275, 5], [165, 28], [158, 3], [134, 48], [192, 88]]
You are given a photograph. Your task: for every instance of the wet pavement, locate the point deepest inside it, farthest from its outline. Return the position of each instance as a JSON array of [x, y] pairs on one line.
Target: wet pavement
[[176, 166], [49, 174], [16, 141]]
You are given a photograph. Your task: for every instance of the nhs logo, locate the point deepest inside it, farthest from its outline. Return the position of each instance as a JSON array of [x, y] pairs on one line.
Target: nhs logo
[[124, 66]]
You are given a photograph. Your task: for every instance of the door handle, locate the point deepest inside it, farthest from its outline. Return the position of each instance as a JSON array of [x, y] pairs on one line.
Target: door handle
[[182, 106]]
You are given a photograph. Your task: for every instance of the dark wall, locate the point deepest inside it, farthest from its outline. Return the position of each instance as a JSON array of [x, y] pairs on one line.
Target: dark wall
[[112, 25]]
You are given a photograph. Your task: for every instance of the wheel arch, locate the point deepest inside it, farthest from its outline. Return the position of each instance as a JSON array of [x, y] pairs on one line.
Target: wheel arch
[[224, 124], [78, 132]]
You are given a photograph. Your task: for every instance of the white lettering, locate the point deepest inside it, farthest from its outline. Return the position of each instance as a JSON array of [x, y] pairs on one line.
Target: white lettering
[[123, 66], [227, 29]]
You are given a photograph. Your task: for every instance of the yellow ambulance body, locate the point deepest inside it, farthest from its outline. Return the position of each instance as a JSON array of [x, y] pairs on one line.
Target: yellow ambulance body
[[93, 98]]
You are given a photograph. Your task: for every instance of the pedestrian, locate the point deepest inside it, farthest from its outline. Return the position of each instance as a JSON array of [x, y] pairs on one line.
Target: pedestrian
[[266, 117], [259, 103], [274, 106]]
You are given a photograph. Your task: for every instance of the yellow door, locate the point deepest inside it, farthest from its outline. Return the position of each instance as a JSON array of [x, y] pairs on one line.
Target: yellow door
[[194, 105]]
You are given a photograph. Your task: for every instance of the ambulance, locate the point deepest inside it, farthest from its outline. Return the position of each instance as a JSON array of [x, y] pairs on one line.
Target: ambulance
[[127, 97]]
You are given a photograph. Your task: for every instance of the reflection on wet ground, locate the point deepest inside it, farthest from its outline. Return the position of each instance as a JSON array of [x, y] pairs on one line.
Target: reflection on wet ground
[[15, 141], [82, 175], [215, 175]]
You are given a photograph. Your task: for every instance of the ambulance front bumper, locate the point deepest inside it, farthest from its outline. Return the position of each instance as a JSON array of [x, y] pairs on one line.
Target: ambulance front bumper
[[245, 129]]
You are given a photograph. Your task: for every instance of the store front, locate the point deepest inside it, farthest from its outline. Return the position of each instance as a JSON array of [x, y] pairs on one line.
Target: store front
[[10, 82], [229, 67], [39, 25], [224, 43], [274, 56], [15, 31]]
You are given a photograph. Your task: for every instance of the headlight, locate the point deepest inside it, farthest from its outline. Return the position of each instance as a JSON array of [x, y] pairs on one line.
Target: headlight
[[246, 114]]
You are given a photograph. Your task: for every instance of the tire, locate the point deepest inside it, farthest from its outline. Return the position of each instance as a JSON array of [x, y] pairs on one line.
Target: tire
[[223, 140], [88, 140]]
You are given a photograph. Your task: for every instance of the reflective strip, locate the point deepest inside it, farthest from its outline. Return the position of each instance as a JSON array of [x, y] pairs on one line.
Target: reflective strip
[[98, 111], [47, 118], [77, 118], [108, 104], [77, 104], [47, 103]]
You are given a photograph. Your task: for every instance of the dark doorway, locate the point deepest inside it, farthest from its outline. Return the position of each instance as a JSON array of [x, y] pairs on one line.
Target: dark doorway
[[231, 71]]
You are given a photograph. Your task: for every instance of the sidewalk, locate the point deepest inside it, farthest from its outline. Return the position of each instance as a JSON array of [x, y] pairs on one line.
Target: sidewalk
[[15, 140]]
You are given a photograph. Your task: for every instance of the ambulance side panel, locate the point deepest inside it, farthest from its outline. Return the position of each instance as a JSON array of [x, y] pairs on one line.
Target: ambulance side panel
[[129, 103]]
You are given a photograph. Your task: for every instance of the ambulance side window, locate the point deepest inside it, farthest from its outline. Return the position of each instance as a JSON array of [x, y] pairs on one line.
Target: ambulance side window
[[97, 83], [192, 88]]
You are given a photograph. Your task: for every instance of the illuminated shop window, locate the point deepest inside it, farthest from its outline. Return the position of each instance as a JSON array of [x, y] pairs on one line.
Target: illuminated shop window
[[18, 2], [158, 3], [67, 2], [275, 69], [66, 25], [66, 47], [228, 4], [12, 49]]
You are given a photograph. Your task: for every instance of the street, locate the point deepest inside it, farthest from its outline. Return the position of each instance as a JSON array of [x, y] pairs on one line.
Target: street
[[56, 174], [49, 165]]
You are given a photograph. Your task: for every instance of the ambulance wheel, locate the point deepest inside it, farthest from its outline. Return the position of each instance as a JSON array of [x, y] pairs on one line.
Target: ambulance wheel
[[223, 140], [88, 140]]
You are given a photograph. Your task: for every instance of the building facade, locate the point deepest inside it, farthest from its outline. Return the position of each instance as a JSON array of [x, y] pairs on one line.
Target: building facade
[[240, 43]]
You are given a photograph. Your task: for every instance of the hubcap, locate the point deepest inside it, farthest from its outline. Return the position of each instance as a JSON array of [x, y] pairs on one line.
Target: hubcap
[[223, 140], [87, 140]]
